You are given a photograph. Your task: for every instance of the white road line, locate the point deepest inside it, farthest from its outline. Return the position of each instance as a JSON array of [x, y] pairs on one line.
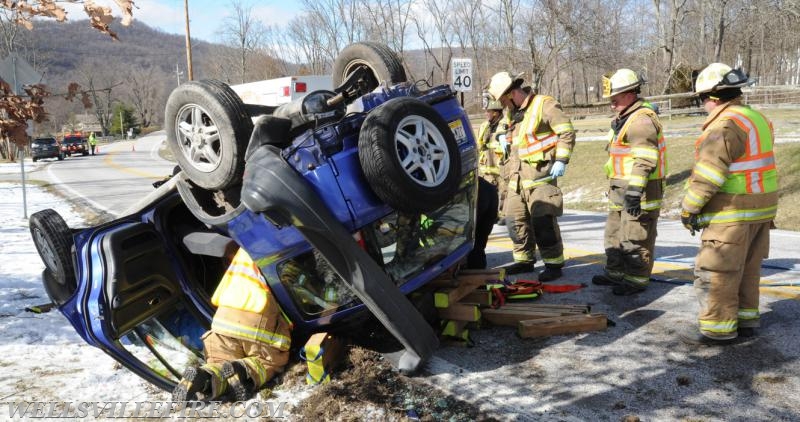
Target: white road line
[[62, 185]]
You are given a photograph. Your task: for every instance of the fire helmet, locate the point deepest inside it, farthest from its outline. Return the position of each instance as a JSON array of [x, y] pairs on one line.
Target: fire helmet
[[622, 80], [501, 82], [719, 76]]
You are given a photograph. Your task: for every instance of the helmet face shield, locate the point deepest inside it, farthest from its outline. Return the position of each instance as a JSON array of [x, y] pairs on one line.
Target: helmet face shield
[[718, 76]]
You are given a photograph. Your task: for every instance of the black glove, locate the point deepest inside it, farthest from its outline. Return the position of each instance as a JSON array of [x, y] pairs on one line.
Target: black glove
[[633, 203], [689, 221]]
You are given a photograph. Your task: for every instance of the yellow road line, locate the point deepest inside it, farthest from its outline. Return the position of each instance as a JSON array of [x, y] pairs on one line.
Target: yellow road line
[[108, 159]]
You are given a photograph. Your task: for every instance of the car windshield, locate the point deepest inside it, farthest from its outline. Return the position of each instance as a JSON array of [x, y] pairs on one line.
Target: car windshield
[[72, 140], [403, 244], [45, 141]]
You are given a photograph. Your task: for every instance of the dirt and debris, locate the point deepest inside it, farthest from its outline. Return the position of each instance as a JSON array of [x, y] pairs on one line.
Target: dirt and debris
[[368, 388]]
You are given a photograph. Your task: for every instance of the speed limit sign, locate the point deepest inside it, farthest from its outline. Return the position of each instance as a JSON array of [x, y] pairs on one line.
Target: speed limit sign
[[462, 74]]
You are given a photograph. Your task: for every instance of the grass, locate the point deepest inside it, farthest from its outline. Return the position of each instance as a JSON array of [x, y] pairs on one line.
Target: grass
[[585, 184]]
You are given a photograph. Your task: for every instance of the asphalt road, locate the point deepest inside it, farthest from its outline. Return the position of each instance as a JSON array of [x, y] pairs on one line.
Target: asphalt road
[[636, 367], [116, 177]]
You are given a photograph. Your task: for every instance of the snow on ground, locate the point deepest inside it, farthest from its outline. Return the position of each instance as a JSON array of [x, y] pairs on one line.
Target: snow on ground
[[41, 355], [42, 358]]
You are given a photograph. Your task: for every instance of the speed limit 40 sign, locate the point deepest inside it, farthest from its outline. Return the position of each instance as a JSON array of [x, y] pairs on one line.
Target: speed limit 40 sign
[[462, 74]]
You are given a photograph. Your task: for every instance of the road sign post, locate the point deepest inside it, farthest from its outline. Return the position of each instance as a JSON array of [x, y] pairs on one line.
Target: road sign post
[[462, 76]]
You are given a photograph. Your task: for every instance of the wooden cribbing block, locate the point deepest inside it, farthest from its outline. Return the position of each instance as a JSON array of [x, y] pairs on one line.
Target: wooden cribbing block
[[478, 297], [460, 312], [512, 317], [322, 353], [479, 277], [446, 297], [546, 307], [562, 325], [457, 329]]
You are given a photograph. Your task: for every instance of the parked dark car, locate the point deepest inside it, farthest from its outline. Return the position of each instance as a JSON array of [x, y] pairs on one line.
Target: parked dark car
[[348, 200], [74, 144], [47, 147]]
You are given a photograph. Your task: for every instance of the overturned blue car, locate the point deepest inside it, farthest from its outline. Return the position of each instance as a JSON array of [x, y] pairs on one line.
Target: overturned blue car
[[348, 200]]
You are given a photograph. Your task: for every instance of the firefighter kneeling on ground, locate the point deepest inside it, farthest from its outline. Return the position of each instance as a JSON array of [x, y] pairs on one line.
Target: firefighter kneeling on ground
[[248, 342]]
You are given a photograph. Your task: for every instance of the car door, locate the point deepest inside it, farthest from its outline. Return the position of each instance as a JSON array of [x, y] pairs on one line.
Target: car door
[[139, 302]]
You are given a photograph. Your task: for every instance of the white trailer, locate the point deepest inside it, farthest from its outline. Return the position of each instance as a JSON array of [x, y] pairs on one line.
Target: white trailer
[[274, 92]]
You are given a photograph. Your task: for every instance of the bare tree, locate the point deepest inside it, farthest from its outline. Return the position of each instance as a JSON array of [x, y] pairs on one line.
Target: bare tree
[[308, 39], [145, 90], [243, 32], [441, 33], [388, 21], [98, 80]]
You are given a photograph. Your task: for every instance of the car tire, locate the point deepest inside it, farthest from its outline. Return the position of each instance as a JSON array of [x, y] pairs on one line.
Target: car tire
[[380, 59], [409, 155], [211, 151], [53, 240], [34, 159], [60, 157]]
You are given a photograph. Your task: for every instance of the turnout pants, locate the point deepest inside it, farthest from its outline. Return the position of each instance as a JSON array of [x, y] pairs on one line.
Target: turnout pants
[[629, 244], [531, 221], [486, 217], [262, 361], [727, 274]]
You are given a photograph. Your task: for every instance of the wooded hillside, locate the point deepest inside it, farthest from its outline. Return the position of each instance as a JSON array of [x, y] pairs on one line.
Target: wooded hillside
[[564, 46]]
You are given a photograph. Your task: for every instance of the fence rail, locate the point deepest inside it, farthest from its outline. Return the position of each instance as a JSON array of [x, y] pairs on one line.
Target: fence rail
[[684, 103]]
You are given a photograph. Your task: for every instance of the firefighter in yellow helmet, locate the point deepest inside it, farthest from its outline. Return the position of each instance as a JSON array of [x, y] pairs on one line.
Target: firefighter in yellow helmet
[[493, 148], [248, 342], [636, 170], [542, 139], [732, 196]]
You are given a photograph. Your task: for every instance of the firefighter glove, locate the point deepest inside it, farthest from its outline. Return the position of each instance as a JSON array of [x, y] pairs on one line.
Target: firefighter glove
[[633, 203], [558, 169], [689, 221]]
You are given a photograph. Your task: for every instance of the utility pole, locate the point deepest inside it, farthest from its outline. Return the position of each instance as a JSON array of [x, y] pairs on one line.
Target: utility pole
[[188, 43], [121, 124]]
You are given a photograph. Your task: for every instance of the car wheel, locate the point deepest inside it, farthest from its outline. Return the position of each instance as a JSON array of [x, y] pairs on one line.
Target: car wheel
[[409, 155], [53, 240], [60, 157], [383, 63], [208, 131], [34, 159]]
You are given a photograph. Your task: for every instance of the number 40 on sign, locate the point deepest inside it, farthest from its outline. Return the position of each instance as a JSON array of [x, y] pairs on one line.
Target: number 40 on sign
[[462, 74]]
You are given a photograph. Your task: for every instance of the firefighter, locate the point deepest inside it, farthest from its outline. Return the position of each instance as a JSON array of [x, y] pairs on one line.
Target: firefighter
[[92, 142], [493, 149], [636, 168], [542, 139], [732, 196], [248, 342]]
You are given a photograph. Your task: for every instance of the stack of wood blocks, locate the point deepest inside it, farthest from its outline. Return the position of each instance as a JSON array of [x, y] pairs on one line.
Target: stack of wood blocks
[[463, 298]]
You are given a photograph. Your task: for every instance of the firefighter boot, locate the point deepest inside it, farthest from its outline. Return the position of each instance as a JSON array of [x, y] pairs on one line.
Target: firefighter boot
[[519, 268], [235, 373], [692, 336], [606, 280], [199, 383], [747, 332], [550, 273]]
